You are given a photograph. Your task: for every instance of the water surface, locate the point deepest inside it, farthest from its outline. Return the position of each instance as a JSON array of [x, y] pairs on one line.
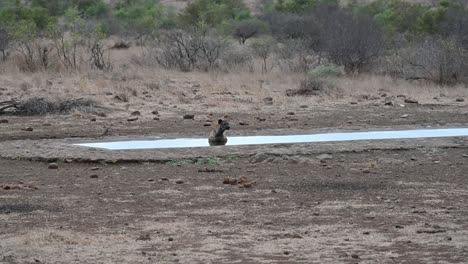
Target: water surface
[[284, 139]]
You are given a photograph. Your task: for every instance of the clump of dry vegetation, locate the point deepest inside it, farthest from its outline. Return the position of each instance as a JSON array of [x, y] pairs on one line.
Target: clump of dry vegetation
[[44, 106]]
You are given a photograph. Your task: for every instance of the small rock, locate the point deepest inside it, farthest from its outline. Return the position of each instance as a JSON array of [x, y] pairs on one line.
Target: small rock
[[268, 103], [53, 166], [95, 168], [411, 101], [170, 239], [29, 129], [207, 124], [233, 181], [47, 124], [144, 237], [448, 238], [226, 180], [151, 180], [404, 116], [413, 158], [156, 118], [135, 113], [355, 256], [366, 171], [94, 176], [304, 106], [243, 124], [131, 119], [49, 83], [388, 103], [3, 121], [286, 252], [188, 116], [291, 113], [324, 157], [459, 100], [164, 179], [179, 181], [353, 103], [268, 99], [93, 119], [366, 233], [430, 231], [398, 226], [155, 112]]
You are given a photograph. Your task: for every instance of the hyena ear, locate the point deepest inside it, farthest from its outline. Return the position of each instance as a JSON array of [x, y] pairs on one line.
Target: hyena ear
[[220, 121]]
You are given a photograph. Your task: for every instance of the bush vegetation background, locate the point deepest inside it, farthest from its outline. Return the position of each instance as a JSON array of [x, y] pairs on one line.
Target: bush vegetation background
[[320, 38]]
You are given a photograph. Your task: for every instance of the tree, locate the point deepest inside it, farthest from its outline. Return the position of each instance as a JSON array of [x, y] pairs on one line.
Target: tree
[[214, 12], [248, 28]]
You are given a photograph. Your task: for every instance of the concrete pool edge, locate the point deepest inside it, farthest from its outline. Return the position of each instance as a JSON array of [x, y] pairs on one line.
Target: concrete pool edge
[[178, 143]]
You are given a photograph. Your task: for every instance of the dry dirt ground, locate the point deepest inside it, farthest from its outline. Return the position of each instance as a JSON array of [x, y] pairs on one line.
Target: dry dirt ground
[[378, 202]]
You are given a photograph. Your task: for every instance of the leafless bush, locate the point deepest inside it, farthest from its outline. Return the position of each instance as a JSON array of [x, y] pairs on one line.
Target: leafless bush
[[351, 40], [263, 49], [4, 42], [293, 55], [98, 58], [187, 51], [312, 86], [436, 59], [238, 57]]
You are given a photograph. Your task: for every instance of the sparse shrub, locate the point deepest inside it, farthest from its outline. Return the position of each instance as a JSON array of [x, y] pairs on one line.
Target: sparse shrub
[[263, 48], [4, 42], [328, 70], [436, 59], [312, 86], [121, 45], [292, 55], [238, 57], [188, 50]]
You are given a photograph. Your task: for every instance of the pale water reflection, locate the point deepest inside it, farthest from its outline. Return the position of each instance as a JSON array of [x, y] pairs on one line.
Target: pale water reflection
[[285, 139]]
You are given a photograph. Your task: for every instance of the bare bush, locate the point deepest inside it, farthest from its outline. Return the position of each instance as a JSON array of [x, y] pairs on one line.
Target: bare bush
[[311, 86], [238, 57], [186, 51], [293, 55], [263, 49], [4, 42], [248, 28], [351, 40], [436, 59]]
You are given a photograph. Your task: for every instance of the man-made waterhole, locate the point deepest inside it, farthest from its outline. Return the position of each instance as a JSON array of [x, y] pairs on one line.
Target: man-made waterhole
[[285, 139]]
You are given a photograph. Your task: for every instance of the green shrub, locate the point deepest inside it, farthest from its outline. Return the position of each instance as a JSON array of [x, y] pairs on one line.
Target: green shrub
[[214, 13], [328, 70]]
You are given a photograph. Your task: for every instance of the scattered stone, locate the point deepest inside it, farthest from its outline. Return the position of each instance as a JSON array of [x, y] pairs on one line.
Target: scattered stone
[[207, 124], [136, 113], [388, 103], [268, 99], [226, 180], [411, 101], [355, 256], [47, 124], [418, 211], [413, 158], [430, 231], [188, 116], [233, 181], [179, 181], [155, 112], [210, 170], [459, 100], [366, 171], [291, 113], [164, 179], [95, 168], [366, 233], [29, 129], [170, 239], [465, 155], [353, 103], [131, 119], [436, 161], [94, 176], [398, 226], [448, 238], [53, 166], [304, 106], [151, 180], [93, 119], [261, 119], [156, 118], [3, 121], [286, 252], [324, 157], [404, 116], [243, 123], [49, 83], [144, 237]]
